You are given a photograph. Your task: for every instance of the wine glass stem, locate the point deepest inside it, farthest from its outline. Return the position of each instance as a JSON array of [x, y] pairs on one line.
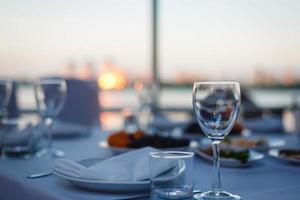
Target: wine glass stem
[[2, 111], [216, 185], [2, 155], [49, 123]]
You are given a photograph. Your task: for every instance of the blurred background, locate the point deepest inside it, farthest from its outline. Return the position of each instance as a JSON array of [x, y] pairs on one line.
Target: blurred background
[[255, 42]]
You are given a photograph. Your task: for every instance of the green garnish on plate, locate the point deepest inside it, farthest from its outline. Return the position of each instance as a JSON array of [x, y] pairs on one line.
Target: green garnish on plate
[[241, 155]]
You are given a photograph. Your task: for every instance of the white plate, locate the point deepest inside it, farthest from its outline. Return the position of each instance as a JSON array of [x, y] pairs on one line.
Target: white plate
[[116, 186], [108, 186], [275, 154], [231, 162], [118, 150]]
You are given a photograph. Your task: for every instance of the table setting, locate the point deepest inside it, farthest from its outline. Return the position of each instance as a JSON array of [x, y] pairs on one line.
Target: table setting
[[67, 160]]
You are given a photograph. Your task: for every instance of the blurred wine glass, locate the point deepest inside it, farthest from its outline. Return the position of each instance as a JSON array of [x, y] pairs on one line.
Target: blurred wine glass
[[130, 124], [50, 94], [216, 106], [5, 95], [147, 95]]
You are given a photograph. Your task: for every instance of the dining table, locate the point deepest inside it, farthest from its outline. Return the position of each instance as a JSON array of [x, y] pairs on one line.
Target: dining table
[[267, 179]]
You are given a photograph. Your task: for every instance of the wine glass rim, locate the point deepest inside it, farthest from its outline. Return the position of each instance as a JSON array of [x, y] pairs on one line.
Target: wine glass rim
[[217, 82]]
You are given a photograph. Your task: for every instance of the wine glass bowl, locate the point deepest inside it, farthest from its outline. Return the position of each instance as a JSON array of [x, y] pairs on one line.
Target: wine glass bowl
[[5, 94], [216, 106], [50, 96]]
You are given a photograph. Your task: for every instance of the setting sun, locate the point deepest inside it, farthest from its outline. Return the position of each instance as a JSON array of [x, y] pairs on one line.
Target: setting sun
[[112, 80]]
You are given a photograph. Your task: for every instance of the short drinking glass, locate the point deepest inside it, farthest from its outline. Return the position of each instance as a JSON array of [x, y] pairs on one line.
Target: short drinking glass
[[17, 137], [171, 174], [216, 106]]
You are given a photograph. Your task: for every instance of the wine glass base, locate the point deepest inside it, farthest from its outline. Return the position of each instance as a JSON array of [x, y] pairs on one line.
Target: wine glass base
[[50, 153], [213, 195]]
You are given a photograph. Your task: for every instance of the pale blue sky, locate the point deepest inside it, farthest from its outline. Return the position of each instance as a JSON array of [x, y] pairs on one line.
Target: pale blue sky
[[217, 37]]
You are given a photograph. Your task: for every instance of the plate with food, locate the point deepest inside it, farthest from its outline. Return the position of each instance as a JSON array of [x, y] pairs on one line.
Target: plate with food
[[253, 143], [121, 142], [231, 157], [249, 142], [286, 155]]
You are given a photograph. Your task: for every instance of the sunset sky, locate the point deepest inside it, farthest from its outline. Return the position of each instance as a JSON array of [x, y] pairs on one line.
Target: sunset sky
[[218, 38]]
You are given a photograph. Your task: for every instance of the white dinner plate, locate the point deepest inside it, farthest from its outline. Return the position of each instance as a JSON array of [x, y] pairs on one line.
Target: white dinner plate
[[118, 150], [107, 186], [116, 186], [231, 162], [275, 154]]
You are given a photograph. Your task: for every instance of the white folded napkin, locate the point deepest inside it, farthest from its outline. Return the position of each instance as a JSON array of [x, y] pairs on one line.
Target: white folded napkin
[[131, 166]]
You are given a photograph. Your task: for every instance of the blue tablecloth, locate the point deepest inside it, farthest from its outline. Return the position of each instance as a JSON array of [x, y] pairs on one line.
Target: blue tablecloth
[[266, 180]]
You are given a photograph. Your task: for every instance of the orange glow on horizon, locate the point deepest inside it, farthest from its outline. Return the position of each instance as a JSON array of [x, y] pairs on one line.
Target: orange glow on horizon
[[112, 80]]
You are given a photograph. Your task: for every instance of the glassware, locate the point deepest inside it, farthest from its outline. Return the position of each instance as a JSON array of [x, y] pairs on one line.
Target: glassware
[[5, 95], [147, 95], [130, 123], [216, 106], [171, 174], [17, 137], [50, 94]]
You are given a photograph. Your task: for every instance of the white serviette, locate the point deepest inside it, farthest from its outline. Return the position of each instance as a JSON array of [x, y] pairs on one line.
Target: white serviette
[[131, 166]]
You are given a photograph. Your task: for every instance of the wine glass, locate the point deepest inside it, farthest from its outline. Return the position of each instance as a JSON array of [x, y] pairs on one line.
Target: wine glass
[[50, 94], [216, 106], [5, 95], [147, 95]]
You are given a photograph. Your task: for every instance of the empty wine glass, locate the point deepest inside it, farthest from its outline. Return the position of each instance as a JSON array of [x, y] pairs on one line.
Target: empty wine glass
[[147, 95], [5, 95], [50, 96], [216, 106]]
